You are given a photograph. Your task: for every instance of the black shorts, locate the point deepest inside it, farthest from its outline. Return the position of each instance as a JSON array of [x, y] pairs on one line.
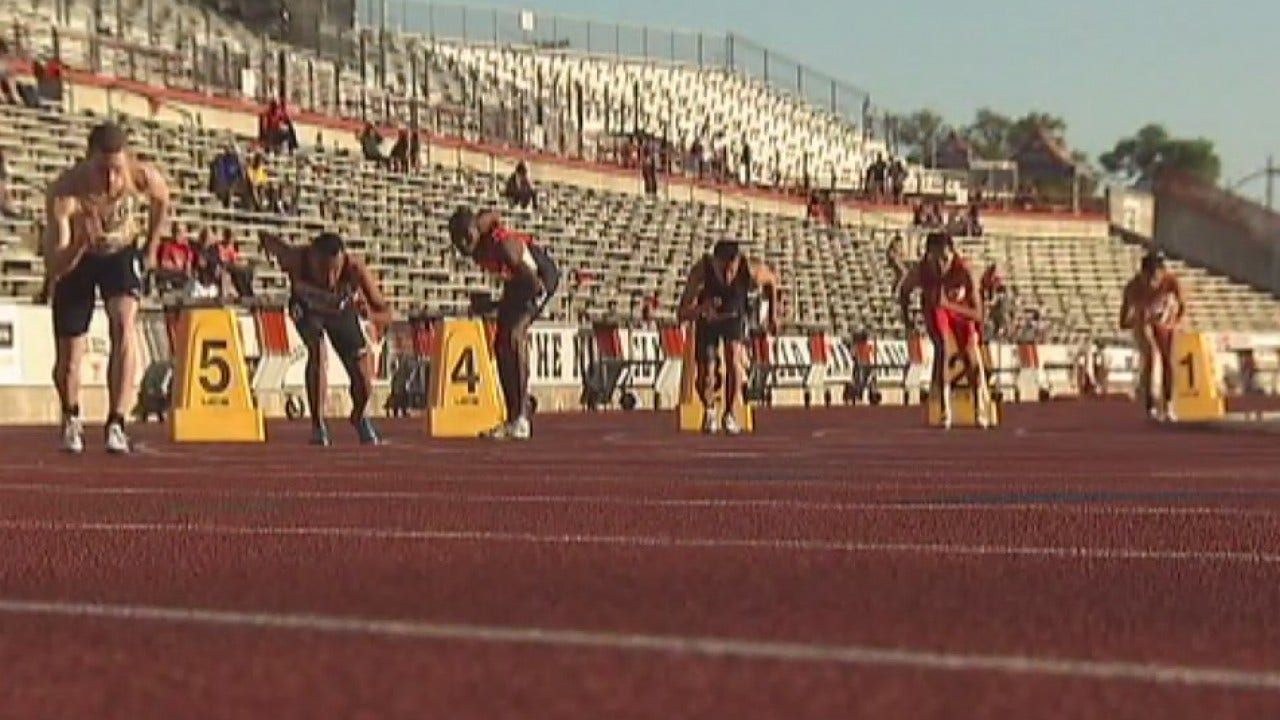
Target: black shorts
[[708, 336], [343, 329], [111, 275], [518, 306]]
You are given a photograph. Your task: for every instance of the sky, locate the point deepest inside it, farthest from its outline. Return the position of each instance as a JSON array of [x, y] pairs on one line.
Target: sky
[[1106, 66]]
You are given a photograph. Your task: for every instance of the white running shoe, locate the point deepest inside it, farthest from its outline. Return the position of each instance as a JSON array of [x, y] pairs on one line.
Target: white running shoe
[[117, 440], [731, 426], [520, 429], [73, 435], [710, 423]]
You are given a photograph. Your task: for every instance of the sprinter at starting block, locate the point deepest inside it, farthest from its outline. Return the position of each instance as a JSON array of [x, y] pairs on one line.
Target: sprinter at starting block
[[952, 308], [529, 279], [715, 300], [1152, 308], [331, 292]]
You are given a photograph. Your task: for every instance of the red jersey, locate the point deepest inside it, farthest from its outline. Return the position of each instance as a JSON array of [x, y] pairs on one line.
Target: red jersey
[[954, 282], [493, 261]]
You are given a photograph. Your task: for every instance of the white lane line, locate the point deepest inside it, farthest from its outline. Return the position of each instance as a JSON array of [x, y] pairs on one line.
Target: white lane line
[[710, 647], [656, 541], [918, 475], [1066, 506]]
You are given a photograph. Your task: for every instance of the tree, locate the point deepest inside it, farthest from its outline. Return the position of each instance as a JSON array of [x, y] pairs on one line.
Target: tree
[[1135, 159], [917, 134], [996, 136]]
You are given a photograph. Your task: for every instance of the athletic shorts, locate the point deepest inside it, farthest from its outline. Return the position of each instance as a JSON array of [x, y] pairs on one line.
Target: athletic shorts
[[708, 336], [961, 328], [110, 275], [343, 329]]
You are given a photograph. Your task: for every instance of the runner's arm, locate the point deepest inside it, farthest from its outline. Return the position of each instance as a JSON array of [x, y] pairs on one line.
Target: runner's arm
[[379, 310], [60, 255], [1126, 309], [910, 283], [159, 203], [971, 307], [1176, 289], [767, 280], [688, 308], [275, 246]]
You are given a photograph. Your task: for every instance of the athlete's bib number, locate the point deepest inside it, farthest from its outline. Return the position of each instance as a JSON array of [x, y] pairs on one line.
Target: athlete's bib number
[[215, 371], [465, 373]]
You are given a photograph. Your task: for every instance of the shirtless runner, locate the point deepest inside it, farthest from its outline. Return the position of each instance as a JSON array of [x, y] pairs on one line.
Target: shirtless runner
[[1152, 309], [90, 244]]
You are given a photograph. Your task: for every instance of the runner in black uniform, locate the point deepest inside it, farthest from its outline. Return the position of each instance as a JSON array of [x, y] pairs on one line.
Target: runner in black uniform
[[330, 293], [715, 299]]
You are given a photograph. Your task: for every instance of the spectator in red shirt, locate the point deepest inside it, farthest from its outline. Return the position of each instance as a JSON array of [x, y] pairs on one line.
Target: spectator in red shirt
[[177, 261], [275, 128]]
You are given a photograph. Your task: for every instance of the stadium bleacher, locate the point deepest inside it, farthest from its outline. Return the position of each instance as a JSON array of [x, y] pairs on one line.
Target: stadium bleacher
[[620, 248]]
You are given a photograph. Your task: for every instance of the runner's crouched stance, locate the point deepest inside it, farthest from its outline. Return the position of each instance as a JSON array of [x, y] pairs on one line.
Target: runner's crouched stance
[[952, 306], [330, 292], [90, 246], [529, 279], [715, 300], [1152, 308]]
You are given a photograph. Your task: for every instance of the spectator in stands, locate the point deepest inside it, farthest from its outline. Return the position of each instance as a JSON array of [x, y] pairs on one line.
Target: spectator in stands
[[398, 160], [237, 270], [896, 258], [371, 144], [227, 176], [176, 262], [898, 180], [259, 182], [49, 75], [415, 150], [7, 208], [974, 221], [8, 81], [275, 128], [206, 275], [519, 190], [649, 169], [995, 297], [698, 157], [1035, 328], [877, 172]]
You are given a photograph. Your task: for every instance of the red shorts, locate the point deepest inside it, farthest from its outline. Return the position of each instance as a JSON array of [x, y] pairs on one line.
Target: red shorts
[[963, 329]]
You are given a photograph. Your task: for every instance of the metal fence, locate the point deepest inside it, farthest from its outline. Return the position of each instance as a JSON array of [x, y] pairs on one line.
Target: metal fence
[[505, 26], [346, 75]]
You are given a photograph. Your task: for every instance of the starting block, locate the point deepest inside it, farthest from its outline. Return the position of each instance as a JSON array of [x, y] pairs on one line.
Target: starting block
[[690, 411], [212, 402], [964, 399], [464, 398], [1196, 395]]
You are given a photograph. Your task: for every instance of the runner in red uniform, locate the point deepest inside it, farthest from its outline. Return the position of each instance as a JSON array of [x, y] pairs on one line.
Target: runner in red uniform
[[529, 278], [952, 305], [1152, 308]]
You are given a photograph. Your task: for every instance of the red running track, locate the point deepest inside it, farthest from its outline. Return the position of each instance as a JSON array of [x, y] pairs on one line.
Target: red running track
[[1076, 563]]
